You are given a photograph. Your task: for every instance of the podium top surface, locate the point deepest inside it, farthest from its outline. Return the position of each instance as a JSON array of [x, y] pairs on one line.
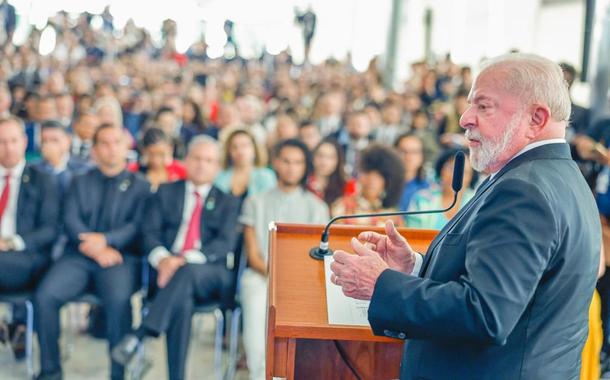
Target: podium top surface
[[297, 290]]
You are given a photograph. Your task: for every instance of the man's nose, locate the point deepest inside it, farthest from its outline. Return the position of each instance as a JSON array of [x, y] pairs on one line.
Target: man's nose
[[467, 120]]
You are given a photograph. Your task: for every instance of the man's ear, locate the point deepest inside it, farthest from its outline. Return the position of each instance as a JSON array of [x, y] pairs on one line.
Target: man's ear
[[539, 117]]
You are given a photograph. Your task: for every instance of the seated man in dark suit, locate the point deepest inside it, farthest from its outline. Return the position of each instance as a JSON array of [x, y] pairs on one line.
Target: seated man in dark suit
[[102, 214], [57, 161], [29, 210], [56, 157], [190, 227]]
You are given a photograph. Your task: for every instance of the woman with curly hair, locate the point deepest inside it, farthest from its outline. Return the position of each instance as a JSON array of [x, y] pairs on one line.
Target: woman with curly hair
[[380, 182]]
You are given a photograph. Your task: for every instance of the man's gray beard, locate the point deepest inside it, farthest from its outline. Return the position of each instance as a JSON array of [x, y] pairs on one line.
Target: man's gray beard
[[486, 154]]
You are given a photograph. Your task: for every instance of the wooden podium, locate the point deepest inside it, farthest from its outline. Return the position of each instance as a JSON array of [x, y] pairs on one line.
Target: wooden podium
[[297, 325]]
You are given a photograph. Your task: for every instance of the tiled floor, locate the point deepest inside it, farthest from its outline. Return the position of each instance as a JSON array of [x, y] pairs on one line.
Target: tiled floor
[[86, 358]]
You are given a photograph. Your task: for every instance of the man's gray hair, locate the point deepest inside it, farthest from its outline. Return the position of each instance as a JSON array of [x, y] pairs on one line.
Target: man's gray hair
[[203, 140], [534, 79]]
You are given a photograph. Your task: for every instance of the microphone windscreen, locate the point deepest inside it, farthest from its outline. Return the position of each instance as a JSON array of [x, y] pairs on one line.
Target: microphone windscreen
[[458, 171]]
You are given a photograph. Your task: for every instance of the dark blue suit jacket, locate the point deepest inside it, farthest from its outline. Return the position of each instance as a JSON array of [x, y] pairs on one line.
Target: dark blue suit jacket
[[505, 288], [219, 227], [37, 210], [83, 204], [74, 167]]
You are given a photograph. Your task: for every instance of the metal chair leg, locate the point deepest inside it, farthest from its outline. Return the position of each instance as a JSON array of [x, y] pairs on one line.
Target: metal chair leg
[[218, 343], [29, 338], [233, 343], [141, 365]]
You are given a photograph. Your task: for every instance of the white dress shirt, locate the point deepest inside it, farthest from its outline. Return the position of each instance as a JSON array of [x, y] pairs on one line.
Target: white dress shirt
[[419, 259], [8, 224], [193, 256]]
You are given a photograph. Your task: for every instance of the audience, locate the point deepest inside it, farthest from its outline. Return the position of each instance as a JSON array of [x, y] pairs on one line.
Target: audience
[[379, 188], [328, 180], [440, 195], [56, 159], [190, 230], [244, 172], [29, 212], [102, 217], [411, 149], [76, 102], [289, 202], [83, 130], [156, 159]]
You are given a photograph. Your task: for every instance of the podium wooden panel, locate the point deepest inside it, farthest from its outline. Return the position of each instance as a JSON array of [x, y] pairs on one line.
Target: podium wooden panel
[[297, 316]]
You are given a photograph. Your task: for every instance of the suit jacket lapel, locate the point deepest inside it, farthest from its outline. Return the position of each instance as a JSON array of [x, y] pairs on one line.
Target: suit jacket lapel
[[209, 204], [561, 151], [23, 197], [178, 199], [484, 187]]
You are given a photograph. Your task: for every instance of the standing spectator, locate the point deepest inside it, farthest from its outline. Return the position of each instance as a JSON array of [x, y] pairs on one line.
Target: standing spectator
[[307, 21]]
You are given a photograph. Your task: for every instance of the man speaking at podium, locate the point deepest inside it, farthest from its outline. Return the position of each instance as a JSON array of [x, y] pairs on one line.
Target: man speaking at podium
[[504, 290]]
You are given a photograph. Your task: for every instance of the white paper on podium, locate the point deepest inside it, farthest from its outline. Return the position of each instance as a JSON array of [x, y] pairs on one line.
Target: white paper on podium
[[343, 310]]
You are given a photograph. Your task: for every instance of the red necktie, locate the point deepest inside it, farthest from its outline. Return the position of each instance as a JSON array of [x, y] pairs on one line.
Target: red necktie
[[193, 233], [5, 194]]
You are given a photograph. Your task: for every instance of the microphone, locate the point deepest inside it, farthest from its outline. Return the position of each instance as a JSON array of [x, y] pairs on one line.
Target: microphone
[[322, 250]]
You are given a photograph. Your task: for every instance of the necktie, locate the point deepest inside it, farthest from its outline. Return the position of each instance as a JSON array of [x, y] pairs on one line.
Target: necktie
[[5, 194], [193, 233]]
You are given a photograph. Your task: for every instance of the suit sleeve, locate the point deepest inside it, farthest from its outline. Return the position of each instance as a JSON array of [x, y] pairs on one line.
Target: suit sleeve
[[46, 229], [122, 236], [226, 239], [507, 251]]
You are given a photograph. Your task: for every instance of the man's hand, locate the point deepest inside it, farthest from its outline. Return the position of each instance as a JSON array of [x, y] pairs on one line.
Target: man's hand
[[392, 247], [92, 243], [357, 274], [167, 268], [108, 257]]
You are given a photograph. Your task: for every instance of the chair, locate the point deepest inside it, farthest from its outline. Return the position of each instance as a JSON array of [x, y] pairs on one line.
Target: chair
[[24, 298]]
